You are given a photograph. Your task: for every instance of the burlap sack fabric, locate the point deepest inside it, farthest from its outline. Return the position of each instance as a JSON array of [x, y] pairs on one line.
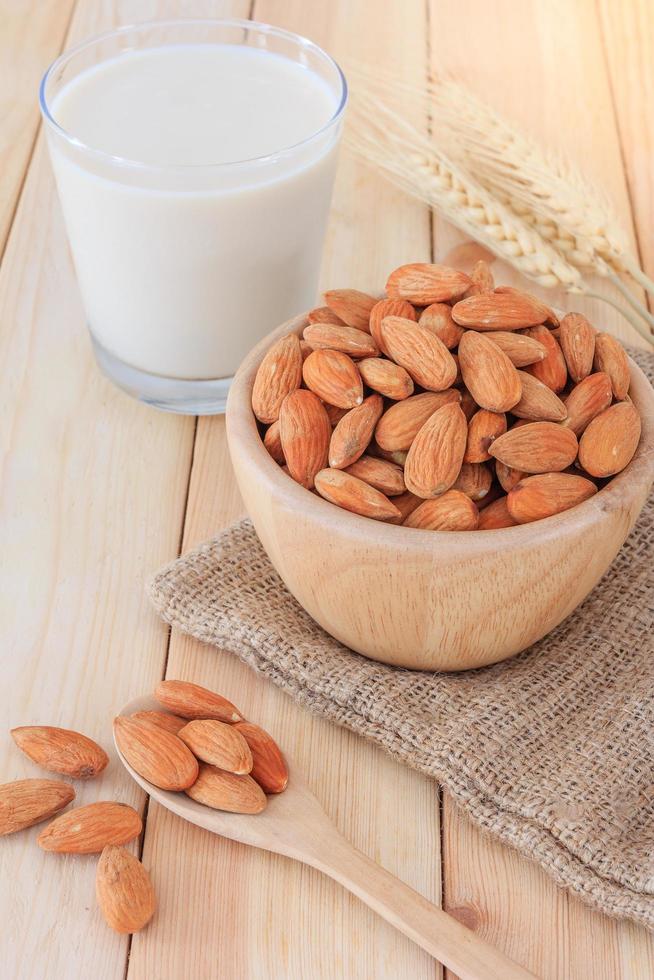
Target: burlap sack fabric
[[553, 751]]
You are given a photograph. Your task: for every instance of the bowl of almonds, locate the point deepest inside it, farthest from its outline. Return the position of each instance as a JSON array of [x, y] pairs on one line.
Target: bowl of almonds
[[441, 475]]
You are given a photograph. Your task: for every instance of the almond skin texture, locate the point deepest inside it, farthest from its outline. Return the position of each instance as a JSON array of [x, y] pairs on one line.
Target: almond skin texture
[[305, 431], [389, 307], [61, 750], [438, 319], [586, 400], [28, 801], [400, 424], [280, 372], [482, 279], [155, 754], [353, 433], [352, 494], [518, 347], [611, 358], [537, 497], [349, 340], [218, 744], [269, 769], [488, 374], [406, 503], [385, 377], [577, 340], [352, 306], [380, 474], [495, 516], [552, 370], [335, 414], [483, 428], [192, 701], [334, 377], [538, 447], [420, 352], [436, 454], [468, 405], [610, 440], [123, 890], [272, 440], [323, 314], [161, 719], [88, 829], [507, 477], [538, 402], [499, 310], [226, 791], [424, 283], [474, 480], [452, 511]]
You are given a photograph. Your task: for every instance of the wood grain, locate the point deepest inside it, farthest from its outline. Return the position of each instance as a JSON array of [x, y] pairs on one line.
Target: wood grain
[[31, 36]]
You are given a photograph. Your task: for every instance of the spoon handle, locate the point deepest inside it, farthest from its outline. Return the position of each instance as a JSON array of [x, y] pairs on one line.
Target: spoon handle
[[441, 935]]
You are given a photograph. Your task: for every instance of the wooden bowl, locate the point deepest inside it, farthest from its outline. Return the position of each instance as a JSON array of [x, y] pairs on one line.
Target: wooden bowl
[[431, 600]]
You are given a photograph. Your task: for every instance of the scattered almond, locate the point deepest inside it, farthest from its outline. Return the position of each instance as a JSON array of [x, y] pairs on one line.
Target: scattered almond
[[385, 377], [406, 503], [272, 440], [380, 474], [537, 497], [538, 447], [280, 372], [507, 477], [323, 314], [334, 377], [474, 480], [483, 428], [269, 768], [400, 424], [495, 516], [552, 370], [305, 432], [424, 283], [192, 701], [159, 756], [388, 307], [218, 744], [610, 357], [436, 454], [420, 352], [353, 433], [349, 340], [28, 801], [438, 319], [610, 440], [481, 278], [61, 750], [488, 374], [88, 829], [518, 347], [586, 400], [124, 890], [577, 340], [352, 306], [538, 403], [500, 310], [226, 791], [161, 719], [354, 495], [452, 511]]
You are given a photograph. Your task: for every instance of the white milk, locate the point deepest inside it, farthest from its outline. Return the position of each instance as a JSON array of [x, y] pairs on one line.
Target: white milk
[[184, 264]]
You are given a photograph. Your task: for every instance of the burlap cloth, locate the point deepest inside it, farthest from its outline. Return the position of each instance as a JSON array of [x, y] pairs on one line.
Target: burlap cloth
[[552, 752]]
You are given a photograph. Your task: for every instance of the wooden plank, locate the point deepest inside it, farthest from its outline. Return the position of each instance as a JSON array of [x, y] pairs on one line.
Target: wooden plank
[[264, 916], [31, 36], [628, 35], [564, 99]]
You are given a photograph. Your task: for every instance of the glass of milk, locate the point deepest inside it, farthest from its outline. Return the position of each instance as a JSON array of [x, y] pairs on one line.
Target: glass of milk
[[195, 163]]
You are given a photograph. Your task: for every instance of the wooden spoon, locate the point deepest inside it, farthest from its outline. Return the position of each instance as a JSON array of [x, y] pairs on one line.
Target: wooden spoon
[[295, 824]]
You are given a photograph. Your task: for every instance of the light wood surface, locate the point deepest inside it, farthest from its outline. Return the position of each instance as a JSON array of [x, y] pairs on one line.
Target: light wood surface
[[98, 491]]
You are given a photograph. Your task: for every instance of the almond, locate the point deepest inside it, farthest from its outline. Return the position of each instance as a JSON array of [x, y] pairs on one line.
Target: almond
[[388, 307], [483, 428], [495, 516], [380, 474], [272, 440], [436, 454], [610, 440], [305, 349], [538, 447], [349, 340], [398, 456], [468, 405], [500, 310], [269, 768], [352, 306], [424, 283], [507, 477], [538, 403], [552, 370], [280, 372], [474, 480], [323, 314], [385, 377], [88, 829], [192, 701], [61, 750], [218, 744], [124, 890], [406, 503], [518, 347], [438, 319], [161, 719], [611, 358], [352, 494], [226, 791], [482, 279], [335, 414], [305, 432], [537, 497], [452, 511], [577, 340], [488, 374], [353, 433], [400, 424], [420, 352], [334, 377], [28, 801], [586, 400], [155, 754]]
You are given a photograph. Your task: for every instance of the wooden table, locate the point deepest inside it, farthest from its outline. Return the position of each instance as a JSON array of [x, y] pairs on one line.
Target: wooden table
[[98, 491]]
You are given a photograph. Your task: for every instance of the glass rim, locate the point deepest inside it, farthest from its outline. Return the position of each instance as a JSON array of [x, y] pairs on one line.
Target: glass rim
[[258, 26]]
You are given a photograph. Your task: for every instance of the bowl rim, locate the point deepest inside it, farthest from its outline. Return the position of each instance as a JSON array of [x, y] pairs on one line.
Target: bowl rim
[[244, 438]]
